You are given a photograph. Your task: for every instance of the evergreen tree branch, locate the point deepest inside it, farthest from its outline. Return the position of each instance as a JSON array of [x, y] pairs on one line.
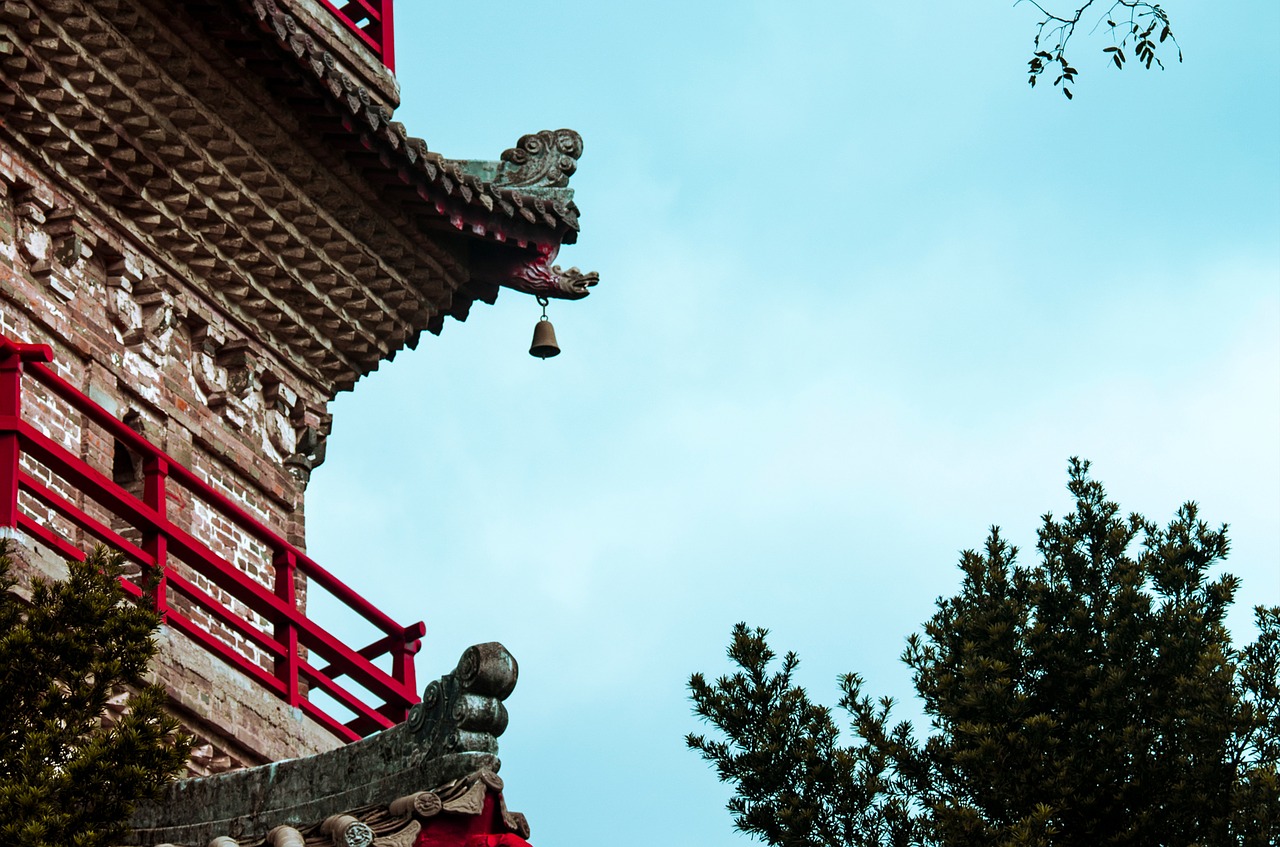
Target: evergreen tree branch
[[66, 778], [1092, 698]]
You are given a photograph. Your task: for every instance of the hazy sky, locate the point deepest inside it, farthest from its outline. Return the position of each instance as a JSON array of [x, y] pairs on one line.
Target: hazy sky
[[863, 293]]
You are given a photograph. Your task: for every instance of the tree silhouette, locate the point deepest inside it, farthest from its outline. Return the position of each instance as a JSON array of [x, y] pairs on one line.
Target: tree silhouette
[[1094, 698]]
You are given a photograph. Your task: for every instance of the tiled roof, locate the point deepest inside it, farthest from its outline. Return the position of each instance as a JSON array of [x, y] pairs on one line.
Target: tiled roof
[[514, 205], [263, 174], [463, 812], [431, 780]]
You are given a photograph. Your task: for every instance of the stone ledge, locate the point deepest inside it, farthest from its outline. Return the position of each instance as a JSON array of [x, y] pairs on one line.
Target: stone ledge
[[449, 735], [230, 709]]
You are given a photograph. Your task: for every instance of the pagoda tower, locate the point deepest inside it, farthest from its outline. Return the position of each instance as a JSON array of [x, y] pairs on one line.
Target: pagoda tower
[[210, 224]]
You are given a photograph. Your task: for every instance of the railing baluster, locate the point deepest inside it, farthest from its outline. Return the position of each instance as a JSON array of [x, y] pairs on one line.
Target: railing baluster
[[378, 33], [155, 473], [12, 357], [286, 565], [403, 671], [161, 538], [10, 409], [387, 35]]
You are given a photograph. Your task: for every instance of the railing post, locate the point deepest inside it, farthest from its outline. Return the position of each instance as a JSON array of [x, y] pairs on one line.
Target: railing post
[[403, 671], [154, 541], [286, 565], [10, 413], [388, 35]]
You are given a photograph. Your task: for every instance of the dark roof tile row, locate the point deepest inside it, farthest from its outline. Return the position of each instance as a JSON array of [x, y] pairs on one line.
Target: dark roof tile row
[[470, 203]]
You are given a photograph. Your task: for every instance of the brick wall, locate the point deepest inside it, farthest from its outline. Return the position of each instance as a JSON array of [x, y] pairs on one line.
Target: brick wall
[[145, 342]]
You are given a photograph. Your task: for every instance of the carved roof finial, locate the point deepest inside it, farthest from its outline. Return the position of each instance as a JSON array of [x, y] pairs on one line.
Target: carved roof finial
[[543, 159]]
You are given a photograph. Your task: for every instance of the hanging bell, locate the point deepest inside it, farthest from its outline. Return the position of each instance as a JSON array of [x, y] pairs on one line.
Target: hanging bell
[[544, 340]]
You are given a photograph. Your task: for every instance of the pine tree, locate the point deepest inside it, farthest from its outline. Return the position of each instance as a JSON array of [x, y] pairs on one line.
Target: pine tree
[[66, 778], [1092, 699]]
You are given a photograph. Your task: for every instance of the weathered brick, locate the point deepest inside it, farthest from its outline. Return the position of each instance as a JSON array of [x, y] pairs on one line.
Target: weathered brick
[[142, 356]]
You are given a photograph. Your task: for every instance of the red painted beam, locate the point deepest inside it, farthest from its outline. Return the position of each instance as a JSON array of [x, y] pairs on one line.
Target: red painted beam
[[165, 542], [98, 530], [346, 698], [212, 497], [188, 549], [50, 539]]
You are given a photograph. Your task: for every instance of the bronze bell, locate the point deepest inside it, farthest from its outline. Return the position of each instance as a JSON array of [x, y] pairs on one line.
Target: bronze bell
[[544, 340]]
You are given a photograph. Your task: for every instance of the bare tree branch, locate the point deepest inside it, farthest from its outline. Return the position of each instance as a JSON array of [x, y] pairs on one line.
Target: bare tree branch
[[1135, 25]]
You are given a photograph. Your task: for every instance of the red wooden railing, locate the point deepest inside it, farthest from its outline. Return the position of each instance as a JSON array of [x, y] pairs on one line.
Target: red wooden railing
[[163, 543], [372, 21]]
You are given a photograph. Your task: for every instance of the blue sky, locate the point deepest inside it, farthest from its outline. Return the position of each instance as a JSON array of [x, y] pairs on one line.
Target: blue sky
[[863, 293]]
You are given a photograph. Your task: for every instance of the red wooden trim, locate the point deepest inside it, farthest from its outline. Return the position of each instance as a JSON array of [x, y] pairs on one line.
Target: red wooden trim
[[383, 645], [10, 410], [26, 352], [162, 539], [373, 14], [194, 553], [85, 479], [360, 670], [378, 34], [311, 634], [68, 510], [351, 26], [10, 450], [286, 567], [343, 696], [121, 432], [212, 497], [362, 726], [132, 590], [155, 473], [60, 545], [343, 592], [222, 614], [388, 35]]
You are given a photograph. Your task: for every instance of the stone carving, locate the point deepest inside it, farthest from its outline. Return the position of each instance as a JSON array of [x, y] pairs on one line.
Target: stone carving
[[574, 282], [542, 279], [406, 837], [34, 242], [210, 377], [32, 211], [310, 445], [465, 796], [281, 407], [242, 367], [152, 335], [125, 314], [462, 712], [347, 831], [423, 804], [72, 241], [543, 159]]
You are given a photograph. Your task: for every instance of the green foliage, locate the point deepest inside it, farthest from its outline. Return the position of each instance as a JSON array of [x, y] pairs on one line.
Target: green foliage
[[1092, 699], [65, 779], [1134, 25], [795, 784]]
